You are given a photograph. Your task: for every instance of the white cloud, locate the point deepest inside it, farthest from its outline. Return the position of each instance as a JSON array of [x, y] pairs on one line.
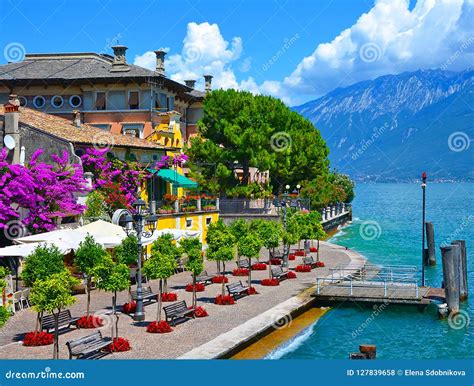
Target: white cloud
[[390, 38]]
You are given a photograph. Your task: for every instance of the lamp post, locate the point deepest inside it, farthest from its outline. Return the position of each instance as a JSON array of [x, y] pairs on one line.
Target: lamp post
[[423, 254], [284, 203], [137, 223]]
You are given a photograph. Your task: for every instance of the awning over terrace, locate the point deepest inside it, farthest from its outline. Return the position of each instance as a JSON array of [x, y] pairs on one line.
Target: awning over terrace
[[175, 178]]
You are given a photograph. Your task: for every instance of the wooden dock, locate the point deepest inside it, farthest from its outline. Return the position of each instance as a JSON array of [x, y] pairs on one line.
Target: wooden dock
[[393, 285]]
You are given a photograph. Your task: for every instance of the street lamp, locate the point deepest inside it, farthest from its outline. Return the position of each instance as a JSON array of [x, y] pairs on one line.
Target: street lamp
[[142, 224], [423, 253]]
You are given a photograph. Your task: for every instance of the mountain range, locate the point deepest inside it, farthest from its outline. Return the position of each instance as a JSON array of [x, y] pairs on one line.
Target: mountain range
[[396, 126]]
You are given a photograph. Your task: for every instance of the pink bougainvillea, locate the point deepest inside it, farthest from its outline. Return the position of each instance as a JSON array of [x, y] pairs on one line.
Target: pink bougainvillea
[[44, 191]]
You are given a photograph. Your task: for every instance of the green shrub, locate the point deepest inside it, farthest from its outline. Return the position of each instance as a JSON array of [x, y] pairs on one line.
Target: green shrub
[[4, 316]]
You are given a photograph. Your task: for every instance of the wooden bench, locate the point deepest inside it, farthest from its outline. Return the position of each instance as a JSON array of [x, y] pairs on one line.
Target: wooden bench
[[237, 289], [65, 320], [148, 295], [308, 260], [279, 274], [178, 310], [204, 278], [277, 255], [88, 347], [242, 263]]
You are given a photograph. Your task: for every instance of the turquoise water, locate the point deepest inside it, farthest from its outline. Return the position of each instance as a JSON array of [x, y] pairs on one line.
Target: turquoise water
[[399, 332]]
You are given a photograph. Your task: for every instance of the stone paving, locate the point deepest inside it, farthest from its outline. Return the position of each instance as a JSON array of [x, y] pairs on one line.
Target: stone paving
[[185, 336]]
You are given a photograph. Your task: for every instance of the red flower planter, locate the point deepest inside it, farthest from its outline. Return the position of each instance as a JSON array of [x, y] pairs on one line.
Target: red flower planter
[[159, 327], [252, 291], [90, 321], [169, 297], [303, 268], [313, 249], [259, 267], [241, 272], [220, 279], [199, 287], [291, 256], [320, 264], [291, 275], [270, 282], [38, 339], [299, 253], [275, 261], [129, 308], [226, 300], [119, 345], [200, 312]]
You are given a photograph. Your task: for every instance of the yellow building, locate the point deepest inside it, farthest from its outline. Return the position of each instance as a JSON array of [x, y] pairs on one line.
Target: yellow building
[[179, 204]]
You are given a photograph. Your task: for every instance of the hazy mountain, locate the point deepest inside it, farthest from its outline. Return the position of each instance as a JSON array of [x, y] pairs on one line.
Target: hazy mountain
[[396, 126]]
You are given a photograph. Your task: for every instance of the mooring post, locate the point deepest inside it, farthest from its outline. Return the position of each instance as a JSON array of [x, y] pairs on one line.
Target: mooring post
[[451, 276], [462, 269], [430, 241]]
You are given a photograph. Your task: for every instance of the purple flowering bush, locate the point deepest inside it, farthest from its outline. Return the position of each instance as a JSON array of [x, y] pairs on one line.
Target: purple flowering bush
[[45, 191]]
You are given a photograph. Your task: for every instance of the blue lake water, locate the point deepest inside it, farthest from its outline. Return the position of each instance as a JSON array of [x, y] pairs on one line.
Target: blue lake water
[[399, 332]]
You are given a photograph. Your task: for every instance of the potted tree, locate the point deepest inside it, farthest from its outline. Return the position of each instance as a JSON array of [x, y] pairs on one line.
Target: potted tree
[[127, 253], [221, 242], [249, 246], [52, 295], [165, 245], [113, 277], [161, 265], [41, 264], [192, 247], [88, 256]]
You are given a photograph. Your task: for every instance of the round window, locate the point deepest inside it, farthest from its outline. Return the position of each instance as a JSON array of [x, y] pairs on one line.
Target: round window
[[23, 101], [75, 101], [57, 101], [39, 102]]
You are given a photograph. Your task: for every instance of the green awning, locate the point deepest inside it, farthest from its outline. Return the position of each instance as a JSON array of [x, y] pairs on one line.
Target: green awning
[[175, 178]]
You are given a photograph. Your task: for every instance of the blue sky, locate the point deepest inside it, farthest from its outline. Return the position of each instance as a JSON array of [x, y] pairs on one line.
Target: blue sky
[[293, 49]]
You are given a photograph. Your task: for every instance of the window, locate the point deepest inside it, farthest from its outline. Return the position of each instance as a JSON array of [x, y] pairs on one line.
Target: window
[[57, 101], [133, 100], [208, 221], [75, 101], [39, 101], [100, 100], [133, 129], [23, 101], [189, 222]]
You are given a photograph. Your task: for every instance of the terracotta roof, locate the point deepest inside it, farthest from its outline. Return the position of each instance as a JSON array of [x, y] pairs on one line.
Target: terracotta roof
[[85, 134]]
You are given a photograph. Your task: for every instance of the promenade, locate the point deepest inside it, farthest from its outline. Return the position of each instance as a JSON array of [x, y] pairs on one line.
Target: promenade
[[185, 336]]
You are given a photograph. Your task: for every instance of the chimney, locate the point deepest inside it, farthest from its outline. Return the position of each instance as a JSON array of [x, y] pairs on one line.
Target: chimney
[[207, 82], [160, 61], [76, 118], [11, 126], [190, 83], [120, 62]]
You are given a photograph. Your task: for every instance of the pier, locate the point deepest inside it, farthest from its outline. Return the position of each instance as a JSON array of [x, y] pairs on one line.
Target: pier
[[376, 284]]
